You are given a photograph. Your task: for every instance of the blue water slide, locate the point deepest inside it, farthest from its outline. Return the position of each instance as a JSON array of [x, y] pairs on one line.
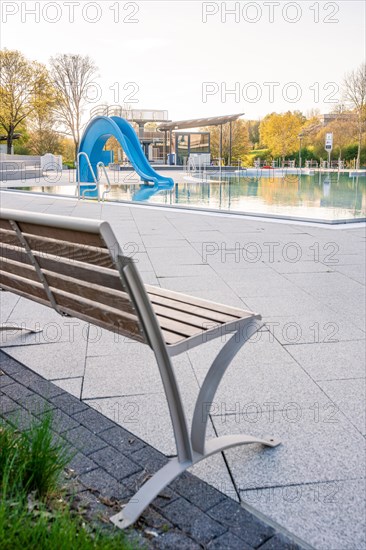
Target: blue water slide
[[98, 131]]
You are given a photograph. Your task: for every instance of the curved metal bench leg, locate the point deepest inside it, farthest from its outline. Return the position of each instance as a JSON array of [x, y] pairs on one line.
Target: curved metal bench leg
[[201, 449], [155, 485], [212, 381]]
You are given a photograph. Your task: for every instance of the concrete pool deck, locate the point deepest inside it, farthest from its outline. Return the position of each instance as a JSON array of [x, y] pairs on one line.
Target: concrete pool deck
[[302, 379]]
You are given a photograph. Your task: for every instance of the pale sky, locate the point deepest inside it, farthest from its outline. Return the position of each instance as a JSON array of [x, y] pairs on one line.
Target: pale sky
[[300, 49]]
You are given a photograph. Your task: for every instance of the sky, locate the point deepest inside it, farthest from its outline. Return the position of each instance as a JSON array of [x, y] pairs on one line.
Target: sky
[[199, 59]]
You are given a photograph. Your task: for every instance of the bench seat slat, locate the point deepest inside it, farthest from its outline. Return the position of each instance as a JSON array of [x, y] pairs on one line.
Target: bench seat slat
[[198, 302], [182, 307], [177, 315]]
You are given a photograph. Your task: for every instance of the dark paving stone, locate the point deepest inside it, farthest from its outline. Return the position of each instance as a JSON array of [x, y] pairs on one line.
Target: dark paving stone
[[122, 440], [5, 380], [17, 391], [24, 376], [99, 480], [117, 465], [37, 405], [193, 521], [21, 419], [176, 540], [279, 542], [61, 422], [153, 520], [94, 421], [228, 541], [84, 440], [7, 404], [9, 365], [150, 459], [241, 523], [68, 403], [197, 491], [81, 464], [45, 388]]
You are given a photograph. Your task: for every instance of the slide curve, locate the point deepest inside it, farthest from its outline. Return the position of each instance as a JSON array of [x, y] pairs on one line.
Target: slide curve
[[98, 131]]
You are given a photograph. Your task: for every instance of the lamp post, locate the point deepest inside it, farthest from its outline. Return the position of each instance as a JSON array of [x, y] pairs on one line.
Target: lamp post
[[300, 136]]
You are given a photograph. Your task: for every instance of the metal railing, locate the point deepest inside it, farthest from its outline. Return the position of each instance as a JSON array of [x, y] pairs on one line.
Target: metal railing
[[108, 188], [81, 195]]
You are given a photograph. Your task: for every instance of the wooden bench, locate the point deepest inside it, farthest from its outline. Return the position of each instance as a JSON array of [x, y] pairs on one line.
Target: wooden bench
[[77, 267]]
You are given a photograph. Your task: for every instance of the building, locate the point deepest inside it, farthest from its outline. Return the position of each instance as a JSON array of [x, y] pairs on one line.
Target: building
[[165, 141]]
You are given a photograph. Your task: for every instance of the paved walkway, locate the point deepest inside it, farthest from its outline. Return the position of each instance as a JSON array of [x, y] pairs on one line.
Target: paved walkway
[[110, 463], [302, 379]]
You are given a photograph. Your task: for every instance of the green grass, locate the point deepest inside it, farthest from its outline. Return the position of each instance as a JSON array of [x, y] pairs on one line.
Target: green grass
[[33, 513]]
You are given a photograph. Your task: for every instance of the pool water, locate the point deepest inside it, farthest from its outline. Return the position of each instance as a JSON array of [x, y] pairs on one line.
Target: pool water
[[331, 197]]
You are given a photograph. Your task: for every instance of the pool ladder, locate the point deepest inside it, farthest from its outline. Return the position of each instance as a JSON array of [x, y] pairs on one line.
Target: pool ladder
[[96, 178]]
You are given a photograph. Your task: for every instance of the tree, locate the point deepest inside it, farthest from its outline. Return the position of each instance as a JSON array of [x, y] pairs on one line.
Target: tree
[[239, 140], [24, 87], [354, 91], [72, 74], [280, 132]]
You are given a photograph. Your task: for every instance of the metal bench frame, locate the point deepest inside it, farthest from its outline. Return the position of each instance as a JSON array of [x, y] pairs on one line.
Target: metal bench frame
[[191, 445]]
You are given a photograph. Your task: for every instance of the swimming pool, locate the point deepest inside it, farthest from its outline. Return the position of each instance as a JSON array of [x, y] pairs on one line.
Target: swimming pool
[[329, 197]]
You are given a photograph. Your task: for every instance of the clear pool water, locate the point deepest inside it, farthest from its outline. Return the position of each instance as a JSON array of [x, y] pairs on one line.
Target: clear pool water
[[330, 197]]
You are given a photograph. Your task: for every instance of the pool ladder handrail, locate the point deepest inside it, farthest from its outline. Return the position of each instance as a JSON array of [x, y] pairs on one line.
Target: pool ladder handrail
[[96, 181], [109, 186]]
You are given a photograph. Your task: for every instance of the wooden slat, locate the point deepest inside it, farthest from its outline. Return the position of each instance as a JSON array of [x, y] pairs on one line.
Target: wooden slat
[[68, 235], [198, 302], [88, 273], [171, 338], [182, 307], [119, 321], [104, 316], [178, 328], [100, 294], [186, 318], [20, 269], [44, 245], [4, 224], [26, 287]]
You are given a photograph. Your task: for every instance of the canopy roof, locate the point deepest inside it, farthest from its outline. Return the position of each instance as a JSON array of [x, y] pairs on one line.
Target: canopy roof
[[198, 122]]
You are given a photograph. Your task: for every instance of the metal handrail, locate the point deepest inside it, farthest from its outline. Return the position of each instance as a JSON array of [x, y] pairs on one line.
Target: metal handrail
[[109, 186], [96, 181]]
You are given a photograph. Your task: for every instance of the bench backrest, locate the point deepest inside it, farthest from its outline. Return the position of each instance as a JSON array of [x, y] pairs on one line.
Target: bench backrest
[[74, 265]]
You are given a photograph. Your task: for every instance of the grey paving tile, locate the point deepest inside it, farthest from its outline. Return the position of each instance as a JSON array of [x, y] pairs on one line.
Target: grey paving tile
[[70, 385], [331, 361], [307, 454], [53, 360], [350, 397], [133, 372], [329, 516], [8, 301]]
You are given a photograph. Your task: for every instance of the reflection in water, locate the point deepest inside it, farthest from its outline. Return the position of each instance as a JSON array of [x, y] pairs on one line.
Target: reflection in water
[[325, 196]]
